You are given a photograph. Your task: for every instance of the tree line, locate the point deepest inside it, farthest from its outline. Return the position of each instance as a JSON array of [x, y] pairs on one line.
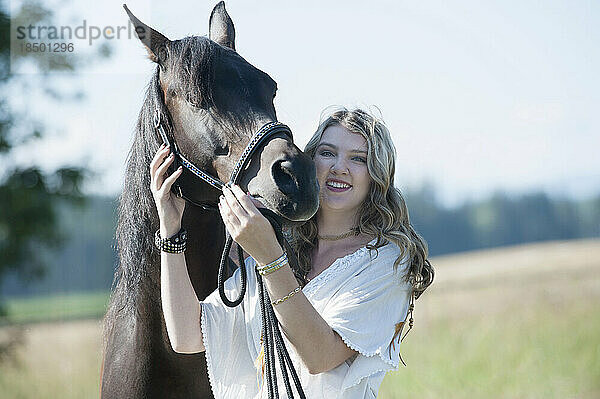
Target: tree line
[[501, 219], [87, 258]]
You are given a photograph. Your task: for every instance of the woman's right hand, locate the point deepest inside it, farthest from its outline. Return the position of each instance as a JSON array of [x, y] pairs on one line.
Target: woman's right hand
[[169, 206]]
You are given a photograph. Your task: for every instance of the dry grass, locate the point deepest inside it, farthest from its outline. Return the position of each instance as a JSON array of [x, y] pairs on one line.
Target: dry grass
[[60, 360], [486, 282], [517, 322], [512, 322]]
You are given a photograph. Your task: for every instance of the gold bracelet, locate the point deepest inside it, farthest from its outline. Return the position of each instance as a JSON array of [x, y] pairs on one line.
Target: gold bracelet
[[288, 296]]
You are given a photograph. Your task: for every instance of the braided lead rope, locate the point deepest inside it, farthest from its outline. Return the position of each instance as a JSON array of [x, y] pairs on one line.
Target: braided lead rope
[[269, 344], [263, 314], [222, 277], [284, 371], [283, 352], [272, 326]]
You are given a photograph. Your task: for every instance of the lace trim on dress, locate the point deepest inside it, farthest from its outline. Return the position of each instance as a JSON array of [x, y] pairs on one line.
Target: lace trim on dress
[[379, 351], [209, 365], [390, 360]]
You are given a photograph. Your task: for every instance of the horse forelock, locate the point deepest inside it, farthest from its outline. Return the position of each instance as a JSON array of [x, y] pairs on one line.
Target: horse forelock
[[193, 63]]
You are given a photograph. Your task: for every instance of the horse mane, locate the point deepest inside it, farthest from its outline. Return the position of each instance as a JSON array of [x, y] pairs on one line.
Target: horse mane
[[192, 61], [138, 217]]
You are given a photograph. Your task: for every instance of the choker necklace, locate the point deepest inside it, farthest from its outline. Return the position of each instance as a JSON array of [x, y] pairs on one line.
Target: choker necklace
[[339, 236]]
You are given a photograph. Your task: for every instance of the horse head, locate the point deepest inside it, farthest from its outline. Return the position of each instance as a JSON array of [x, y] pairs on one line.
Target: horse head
[[215, 101]]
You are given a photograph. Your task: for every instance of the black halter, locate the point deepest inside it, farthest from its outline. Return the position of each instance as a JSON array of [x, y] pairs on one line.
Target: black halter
[[270, 324], [260, 137]]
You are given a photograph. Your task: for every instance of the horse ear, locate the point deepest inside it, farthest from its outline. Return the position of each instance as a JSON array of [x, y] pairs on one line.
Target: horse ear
[[220, 27], [154, 41]]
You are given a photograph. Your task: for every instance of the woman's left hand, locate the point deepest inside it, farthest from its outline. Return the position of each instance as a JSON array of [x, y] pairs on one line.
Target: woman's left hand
[[247, 226]]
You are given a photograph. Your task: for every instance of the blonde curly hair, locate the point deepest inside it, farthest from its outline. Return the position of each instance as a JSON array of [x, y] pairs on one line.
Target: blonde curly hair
[[384, 214]]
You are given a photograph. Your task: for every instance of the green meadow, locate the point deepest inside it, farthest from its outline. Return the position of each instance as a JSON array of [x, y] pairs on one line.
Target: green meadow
[[541, 352], [61, 307], [515, 322]]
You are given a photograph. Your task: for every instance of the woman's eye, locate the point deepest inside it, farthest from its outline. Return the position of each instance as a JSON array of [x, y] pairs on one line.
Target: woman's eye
[[326, 153], [360, 159]]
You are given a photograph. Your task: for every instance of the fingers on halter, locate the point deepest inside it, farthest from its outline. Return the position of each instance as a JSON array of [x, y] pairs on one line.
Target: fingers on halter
[[161, 171], [244, 200], [228, 216], [162, 168], [171, 179], [157, 161], [233, 202], [160, 153]]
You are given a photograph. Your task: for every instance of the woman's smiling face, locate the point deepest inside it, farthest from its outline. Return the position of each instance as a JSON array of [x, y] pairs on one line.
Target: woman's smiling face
[[341, 162]]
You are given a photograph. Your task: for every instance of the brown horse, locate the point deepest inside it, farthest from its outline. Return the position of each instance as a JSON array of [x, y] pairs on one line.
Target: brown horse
[[215, 101]]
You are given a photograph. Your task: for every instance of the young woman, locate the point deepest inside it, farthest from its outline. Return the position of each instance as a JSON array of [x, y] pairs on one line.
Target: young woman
[[361, 261]]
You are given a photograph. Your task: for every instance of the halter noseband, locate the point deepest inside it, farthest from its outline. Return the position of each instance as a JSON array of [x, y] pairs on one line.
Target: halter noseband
[[258, 139]]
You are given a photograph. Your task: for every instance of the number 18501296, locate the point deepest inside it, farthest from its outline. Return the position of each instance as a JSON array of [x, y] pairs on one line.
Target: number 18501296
[[47, 47]]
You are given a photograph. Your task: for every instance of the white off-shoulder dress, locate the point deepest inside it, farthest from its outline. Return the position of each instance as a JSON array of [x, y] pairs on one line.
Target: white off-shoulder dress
[[360, 296]]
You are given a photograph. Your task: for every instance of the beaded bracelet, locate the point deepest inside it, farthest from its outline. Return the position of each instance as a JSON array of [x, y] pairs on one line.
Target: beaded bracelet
[[173, 245], [288, 296], [273, 266]]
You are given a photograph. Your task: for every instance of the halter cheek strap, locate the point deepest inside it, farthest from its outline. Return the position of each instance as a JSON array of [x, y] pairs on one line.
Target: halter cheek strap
[[266, 131]]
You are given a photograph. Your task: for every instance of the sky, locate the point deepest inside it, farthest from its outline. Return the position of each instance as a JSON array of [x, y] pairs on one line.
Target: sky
[[478, 95]]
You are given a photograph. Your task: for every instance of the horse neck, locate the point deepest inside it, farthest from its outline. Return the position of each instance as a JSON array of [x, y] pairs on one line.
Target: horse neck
[[137, 292], [139, 272], [206, 238], [205, 244]]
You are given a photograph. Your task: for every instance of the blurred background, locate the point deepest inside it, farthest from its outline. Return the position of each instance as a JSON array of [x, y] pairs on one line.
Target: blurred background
[[493, 107]]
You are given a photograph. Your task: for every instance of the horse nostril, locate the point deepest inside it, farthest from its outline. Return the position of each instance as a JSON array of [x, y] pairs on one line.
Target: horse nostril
[[284, 177]]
